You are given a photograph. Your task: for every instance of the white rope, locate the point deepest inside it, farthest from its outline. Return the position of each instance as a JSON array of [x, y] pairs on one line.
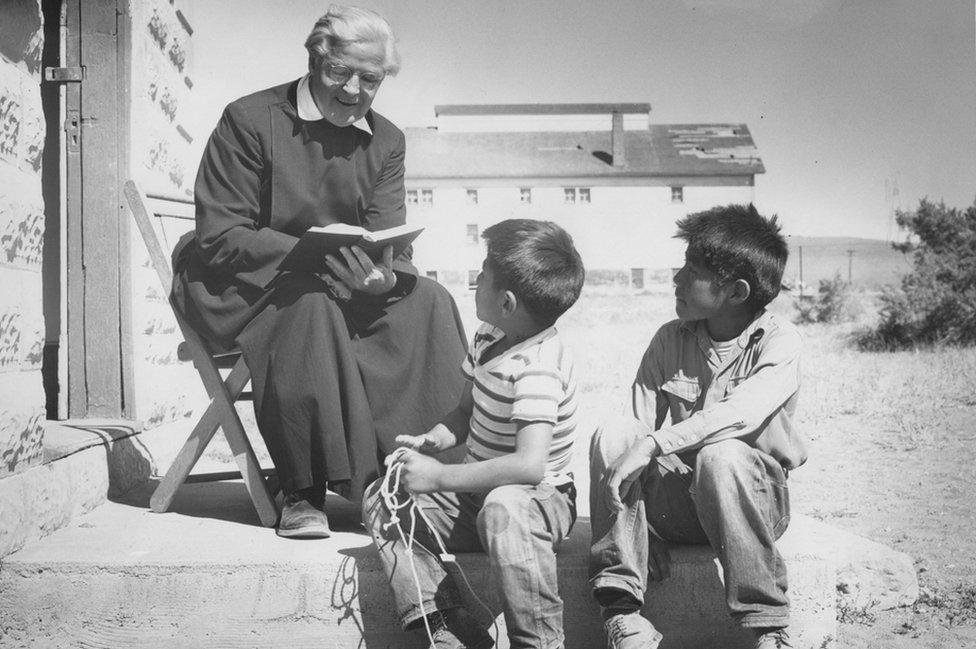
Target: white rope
[[389, 491]]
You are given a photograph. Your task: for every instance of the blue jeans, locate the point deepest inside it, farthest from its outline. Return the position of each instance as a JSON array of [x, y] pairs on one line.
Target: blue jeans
[[735, 499], [518, 526]]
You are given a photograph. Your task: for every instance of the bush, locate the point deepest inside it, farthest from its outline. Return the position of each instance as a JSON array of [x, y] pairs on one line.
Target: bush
[[937, 301], [835, 302]]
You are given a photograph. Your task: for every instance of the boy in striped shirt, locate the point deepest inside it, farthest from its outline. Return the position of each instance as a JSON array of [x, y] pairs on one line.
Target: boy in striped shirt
[[512, 497]]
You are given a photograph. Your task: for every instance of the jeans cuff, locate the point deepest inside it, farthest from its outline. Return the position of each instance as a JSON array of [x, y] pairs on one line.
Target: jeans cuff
[[415, 612], [764, 620], [629, 587]]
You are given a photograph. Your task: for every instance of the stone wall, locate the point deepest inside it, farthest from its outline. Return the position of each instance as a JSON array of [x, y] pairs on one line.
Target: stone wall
[[163, 163], [21, 236], [162, 156]]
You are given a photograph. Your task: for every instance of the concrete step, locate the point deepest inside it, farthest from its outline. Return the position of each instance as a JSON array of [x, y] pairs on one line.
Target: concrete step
[[83, 462], [207, 575]]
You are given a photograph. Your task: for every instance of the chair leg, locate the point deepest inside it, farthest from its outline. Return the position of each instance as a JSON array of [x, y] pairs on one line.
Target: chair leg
[[247, 462], [224, 396], [191, 451], [220, 414], [216, 417]]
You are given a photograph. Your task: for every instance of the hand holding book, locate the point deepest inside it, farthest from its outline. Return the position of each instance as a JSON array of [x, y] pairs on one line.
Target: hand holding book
[[358, 272], [308, 255]]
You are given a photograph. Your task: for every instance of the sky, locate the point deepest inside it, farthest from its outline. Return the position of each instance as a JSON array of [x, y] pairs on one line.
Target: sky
[[858, 107]]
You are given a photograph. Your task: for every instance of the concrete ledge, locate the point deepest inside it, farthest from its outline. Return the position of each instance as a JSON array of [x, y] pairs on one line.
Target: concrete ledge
[[128, 462], [206, 574], [64, 438], [85, 461], [869, 574], [44, 498]]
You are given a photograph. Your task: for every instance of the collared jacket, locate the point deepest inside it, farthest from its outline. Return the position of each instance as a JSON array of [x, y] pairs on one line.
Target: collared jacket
[[750, 395]]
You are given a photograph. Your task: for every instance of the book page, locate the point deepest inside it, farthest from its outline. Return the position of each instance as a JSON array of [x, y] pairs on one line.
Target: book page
[[339, 228]]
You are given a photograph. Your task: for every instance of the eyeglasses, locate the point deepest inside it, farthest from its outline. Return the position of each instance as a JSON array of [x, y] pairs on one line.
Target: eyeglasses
[[342, 74]]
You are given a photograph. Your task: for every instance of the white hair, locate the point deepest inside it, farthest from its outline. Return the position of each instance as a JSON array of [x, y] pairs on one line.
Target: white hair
[[342, 26]]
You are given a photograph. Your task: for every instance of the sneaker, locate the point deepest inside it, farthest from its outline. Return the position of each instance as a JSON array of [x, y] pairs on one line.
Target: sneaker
[[772, 638], [455, 628], [631, 631], [302, 516]]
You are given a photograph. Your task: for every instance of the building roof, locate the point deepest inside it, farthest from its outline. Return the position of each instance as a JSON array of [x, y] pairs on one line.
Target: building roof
[[662, 150], [538, 109]]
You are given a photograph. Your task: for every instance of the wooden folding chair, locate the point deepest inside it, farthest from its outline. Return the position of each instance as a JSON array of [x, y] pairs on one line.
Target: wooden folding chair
[[220, 413]]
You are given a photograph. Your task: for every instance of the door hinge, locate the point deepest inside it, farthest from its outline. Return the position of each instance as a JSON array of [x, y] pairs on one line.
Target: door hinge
[[65, 75]]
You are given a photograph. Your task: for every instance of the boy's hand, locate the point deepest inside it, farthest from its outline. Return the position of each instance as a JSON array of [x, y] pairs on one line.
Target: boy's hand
[[425, 443], [420, 474], [625, 470]]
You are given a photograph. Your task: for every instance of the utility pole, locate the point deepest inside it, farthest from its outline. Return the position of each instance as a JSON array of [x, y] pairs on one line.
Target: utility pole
[[850, 257], [800, 250]]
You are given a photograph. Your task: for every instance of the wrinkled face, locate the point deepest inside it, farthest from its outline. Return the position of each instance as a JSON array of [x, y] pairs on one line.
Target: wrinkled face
[[699, 294], [342, 102], [488, 300]]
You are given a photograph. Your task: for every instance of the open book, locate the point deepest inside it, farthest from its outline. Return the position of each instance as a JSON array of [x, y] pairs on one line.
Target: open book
[[309, 253]]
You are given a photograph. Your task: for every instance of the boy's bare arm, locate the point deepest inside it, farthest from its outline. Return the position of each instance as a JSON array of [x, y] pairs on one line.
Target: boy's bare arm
[[527, 465], [451, 431]]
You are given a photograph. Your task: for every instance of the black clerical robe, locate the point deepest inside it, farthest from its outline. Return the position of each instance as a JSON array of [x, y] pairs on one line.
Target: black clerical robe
[[334, 382]]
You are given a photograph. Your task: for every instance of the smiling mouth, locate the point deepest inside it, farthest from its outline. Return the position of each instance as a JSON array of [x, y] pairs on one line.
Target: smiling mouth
[[345, 103]]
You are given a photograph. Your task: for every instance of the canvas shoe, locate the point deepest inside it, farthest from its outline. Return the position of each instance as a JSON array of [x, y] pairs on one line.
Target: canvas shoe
[[455, 628], [772, 638], [303, 515], [631, 631]]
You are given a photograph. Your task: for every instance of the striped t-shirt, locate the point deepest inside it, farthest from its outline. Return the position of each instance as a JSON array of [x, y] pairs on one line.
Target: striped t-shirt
[[532, 381]]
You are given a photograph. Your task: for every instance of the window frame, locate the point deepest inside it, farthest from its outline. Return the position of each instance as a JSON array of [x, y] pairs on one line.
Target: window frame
[[472, 233]]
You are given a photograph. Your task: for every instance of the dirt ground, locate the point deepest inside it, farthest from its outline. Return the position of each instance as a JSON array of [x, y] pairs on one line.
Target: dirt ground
[[892, 440], [893, 446]]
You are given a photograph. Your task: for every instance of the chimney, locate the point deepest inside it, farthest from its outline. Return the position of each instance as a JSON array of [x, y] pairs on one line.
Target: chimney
[[617, 139]]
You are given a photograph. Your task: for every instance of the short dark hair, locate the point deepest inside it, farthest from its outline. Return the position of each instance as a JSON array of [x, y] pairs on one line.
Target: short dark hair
[[736, 242], [538, 262]]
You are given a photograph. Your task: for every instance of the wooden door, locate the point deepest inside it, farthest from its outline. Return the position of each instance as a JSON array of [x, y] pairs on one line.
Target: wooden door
[[95, 233]]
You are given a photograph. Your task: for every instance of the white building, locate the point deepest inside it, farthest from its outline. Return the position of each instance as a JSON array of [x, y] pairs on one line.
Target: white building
[[616, 182]]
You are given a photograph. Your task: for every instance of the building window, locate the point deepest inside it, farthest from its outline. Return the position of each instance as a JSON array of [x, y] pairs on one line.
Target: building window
[[525, 195], [576, 195], [473, 279], [677, 194], [432, 274], [637, 278], [472, 198], [472, 233], [422, 197]]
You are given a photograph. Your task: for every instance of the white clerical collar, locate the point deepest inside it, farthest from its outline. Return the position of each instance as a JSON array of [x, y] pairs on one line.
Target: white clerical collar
[[308, 111]]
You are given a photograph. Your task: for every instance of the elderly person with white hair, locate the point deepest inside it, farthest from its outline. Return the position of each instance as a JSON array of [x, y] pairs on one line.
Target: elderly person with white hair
[[341, 362]]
